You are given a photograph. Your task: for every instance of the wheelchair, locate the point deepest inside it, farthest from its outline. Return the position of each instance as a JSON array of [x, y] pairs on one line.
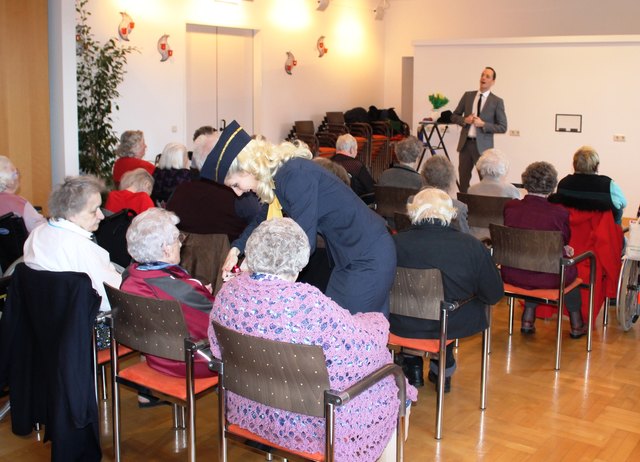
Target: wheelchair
[[629, 283]]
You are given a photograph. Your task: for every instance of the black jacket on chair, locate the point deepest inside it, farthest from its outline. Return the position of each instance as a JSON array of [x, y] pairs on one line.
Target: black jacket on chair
[[46, 358]]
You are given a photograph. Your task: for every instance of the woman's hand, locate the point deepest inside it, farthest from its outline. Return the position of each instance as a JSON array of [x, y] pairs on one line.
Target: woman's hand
[[568, 250], [229, 263]]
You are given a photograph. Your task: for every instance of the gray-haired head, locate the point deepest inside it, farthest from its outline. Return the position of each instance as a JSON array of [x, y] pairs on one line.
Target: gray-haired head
[[130, 143], [409, 149], [174, 155], [586, 160], [540, 178], [347, 144], [431, 205], [439, 173], [279, 247], [137, 180], [335, 168], [71, 197], [492, 163], [202, 147], [9, 177], [150, 232]]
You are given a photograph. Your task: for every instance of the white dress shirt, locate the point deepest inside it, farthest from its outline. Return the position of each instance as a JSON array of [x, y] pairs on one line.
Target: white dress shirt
[[485, 95]]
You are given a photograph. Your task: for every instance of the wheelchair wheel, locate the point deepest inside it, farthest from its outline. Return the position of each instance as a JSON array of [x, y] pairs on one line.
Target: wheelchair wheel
[[628, 290]]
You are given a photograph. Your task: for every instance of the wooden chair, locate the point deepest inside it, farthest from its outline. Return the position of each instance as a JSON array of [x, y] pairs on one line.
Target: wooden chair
[[391, 200], [304, 130], [290, 377], [483, 210], [155, 327], [203, 255], [419, 293], [101, 358], [540, 251]]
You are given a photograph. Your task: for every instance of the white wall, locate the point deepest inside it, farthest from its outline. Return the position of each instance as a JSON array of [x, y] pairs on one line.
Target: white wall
[[153, 95], [410, 21]]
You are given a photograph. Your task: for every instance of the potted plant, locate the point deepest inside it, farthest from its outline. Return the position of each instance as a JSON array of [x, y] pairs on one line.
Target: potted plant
[[100, 70]]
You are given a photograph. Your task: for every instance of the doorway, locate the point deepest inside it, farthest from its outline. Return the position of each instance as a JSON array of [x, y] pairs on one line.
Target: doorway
[[219, 77]]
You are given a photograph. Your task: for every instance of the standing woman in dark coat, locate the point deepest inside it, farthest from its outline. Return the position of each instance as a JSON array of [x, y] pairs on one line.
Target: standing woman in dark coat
[[467, 271], [361, 249]]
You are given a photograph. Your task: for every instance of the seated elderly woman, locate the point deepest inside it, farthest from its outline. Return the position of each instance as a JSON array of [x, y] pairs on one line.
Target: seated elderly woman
[[172, 169], [134, 193], [153, 240], [439, 173], [275, 252], [130, 152], [405, 174], [467, 271], [586, 190], [534, 211], [492, 168], [65, 243], [10, 201]]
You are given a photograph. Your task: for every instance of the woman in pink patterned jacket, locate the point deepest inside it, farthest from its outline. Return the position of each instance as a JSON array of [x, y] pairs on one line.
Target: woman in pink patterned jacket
[[267, 302]]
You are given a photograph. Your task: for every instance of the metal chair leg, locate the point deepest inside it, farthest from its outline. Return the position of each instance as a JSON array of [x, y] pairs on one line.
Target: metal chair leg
[[605, 316], [103, 371], [4, 410], [483, 368], [511, 302]]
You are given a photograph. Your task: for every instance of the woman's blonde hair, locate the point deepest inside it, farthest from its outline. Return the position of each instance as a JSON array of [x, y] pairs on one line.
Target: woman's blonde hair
[[262, 160], [429, 205]]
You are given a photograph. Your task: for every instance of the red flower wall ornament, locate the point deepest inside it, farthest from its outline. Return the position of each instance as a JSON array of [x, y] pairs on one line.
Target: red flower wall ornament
[[164, 49], [126, 26], [290, 63], [320, 46]]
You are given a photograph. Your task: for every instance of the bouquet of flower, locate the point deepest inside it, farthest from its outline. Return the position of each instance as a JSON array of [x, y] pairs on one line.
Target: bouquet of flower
[[438, 100]]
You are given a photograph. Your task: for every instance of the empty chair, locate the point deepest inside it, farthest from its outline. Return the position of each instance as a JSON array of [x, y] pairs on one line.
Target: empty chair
[[540, 251], [155, 327]]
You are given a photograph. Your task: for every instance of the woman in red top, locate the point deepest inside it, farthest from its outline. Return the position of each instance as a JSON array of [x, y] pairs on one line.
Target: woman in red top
[[130, 152]]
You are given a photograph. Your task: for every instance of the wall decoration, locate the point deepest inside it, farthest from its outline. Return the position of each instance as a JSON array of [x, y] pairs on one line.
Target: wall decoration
[[164, 49], [126, 26], [320, 46], [290, 63]]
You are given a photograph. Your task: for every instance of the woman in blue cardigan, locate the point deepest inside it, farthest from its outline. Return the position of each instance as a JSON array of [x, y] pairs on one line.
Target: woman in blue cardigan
[[360, 248]]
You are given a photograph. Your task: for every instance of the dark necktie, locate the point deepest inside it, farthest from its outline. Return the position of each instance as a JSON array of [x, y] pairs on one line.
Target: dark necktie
[[479, 105]]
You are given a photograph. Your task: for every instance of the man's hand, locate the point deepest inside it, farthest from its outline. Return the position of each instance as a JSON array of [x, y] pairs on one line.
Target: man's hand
[[469, 119], [478, 122]]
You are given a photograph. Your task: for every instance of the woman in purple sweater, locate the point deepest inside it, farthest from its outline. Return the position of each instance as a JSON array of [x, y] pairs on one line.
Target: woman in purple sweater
[[267, 302]]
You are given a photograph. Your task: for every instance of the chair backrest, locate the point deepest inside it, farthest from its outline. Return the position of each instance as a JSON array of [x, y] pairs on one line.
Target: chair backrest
[[111, 235], [305, 127], [390, 200], [527, 249], [282, 375], [417, 293], [484, 210], [149, 325], [401, 221], [13, 233], [335, 118], [202, 255]]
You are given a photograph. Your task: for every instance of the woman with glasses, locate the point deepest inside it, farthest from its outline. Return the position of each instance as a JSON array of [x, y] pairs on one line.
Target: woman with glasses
[[154, 244]]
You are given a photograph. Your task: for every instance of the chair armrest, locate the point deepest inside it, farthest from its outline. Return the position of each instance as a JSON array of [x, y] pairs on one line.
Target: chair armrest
[[339, 398], [583, 256]]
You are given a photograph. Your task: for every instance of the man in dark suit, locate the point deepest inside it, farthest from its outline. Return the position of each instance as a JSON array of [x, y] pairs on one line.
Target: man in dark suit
[[481, 114]]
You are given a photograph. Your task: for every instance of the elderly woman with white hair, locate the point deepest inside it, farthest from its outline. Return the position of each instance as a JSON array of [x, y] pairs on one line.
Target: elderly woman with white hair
[[10, 201], [134, 192], [154, 242], [492, 167], [66, 243], [172, 169], [354, 346], [468, 272], [438, 172]]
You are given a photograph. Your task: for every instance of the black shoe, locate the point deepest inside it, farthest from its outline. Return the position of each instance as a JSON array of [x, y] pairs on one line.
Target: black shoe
[[151, 401], [433, 378], [412, 369]]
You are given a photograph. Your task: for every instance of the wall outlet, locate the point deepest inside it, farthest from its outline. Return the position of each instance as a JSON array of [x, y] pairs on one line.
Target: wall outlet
[[619, 138], [514, 132]]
